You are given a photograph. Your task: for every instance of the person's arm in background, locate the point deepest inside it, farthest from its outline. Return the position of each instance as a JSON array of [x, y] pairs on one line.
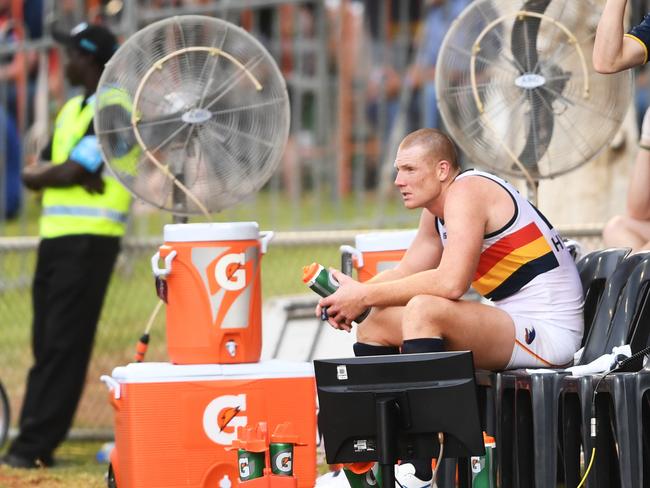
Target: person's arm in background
[[614, 50], [638, 195], [82, 168]]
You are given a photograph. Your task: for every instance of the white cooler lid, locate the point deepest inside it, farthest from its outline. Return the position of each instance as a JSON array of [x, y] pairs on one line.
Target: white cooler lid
[[384, 241], [167, 372], [212, 231]]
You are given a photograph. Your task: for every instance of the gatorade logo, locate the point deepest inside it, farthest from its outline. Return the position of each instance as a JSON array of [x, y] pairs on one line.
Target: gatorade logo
[[370, 478], [229, 272], [244, 468], [222, 416], [283, 462]]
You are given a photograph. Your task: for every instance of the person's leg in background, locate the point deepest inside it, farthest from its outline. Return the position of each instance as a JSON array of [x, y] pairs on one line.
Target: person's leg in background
[[81, 267]]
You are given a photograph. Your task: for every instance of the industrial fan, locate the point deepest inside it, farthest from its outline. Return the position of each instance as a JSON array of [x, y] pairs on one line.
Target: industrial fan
[[517, 90], [192, 114]]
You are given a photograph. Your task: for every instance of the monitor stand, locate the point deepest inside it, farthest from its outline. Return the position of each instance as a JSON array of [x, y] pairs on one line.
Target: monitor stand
[[387, 412]]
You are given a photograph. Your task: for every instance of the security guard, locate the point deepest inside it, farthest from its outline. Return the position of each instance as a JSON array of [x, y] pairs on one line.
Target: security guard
[[84, 216]]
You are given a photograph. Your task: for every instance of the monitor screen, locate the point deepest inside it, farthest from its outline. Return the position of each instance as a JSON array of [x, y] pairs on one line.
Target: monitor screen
[[425, 393]]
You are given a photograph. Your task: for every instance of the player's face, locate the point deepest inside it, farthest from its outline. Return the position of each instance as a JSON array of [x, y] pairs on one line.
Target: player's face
[[418, 178]]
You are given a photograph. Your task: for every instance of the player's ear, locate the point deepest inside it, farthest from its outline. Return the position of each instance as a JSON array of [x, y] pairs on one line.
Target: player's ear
[[444, 169]]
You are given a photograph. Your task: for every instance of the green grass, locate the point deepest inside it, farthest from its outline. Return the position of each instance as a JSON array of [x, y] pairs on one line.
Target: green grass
[[76, 467]]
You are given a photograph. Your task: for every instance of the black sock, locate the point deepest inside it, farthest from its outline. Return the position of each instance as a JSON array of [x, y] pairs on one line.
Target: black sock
[[422, 468], [362, 349], [426, 344]]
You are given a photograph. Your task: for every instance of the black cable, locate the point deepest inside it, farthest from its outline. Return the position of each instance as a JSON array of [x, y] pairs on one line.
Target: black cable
[[620, 365]]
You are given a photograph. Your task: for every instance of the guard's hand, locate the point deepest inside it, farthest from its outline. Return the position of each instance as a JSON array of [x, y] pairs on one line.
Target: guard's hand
[[93, 182]]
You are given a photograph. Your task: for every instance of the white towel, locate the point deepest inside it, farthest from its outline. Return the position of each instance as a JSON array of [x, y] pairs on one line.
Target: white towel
[[604, 363]]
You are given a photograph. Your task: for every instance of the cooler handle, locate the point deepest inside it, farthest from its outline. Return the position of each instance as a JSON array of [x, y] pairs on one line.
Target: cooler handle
[[266, 237], [354, 252], [112, 385], [164, 272]]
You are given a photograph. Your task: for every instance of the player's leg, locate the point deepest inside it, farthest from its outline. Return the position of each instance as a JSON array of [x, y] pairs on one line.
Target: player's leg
[[487, 331]]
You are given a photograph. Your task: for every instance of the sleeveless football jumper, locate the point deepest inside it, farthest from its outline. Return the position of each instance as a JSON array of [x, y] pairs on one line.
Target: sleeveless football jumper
[[525, 270]]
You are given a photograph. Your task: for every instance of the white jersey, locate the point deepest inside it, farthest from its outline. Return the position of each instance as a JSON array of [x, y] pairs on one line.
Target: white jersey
[[525, 268]]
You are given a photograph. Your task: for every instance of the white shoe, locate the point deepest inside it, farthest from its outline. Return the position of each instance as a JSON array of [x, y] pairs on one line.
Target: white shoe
[[333, 479], [405, 477]]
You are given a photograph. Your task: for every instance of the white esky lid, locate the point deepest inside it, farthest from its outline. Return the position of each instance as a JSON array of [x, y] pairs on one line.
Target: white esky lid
[[384, 241], [227, 231], [168, 372]]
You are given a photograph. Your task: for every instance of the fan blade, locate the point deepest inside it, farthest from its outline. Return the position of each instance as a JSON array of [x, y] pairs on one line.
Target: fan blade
[[524, 35], [541, 121]]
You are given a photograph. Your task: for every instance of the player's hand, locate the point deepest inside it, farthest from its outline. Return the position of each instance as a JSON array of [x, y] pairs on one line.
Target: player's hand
[[346, 303]]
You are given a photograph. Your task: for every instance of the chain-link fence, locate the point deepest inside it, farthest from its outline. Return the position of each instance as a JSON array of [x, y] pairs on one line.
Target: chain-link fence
[[131, 299]]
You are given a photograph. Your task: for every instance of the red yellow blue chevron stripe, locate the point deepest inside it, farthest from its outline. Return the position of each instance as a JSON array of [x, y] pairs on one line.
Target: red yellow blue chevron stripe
[[512, 262]]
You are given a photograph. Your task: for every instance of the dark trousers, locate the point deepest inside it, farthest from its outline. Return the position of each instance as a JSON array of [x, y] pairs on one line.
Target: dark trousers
[[72, 274]]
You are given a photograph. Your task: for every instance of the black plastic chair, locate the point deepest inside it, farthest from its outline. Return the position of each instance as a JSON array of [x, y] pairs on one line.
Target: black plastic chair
[[577, 391], [529, 402], [497, 417], [621, 397]]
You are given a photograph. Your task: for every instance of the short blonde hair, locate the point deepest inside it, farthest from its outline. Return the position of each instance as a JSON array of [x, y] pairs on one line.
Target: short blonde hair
[[437, 144]]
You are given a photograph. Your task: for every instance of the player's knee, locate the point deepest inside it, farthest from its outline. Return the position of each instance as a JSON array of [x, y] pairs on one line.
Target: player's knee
[[424, 312], [370, 332], [614, 227]]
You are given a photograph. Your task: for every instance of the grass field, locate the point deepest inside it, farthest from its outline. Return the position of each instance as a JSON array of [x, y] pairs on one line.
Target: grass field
[[76, 468]]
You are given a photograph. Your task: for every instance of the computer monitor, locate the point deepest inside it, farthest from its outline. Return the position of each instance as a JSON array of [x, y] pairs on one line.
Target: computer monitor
[[385, 408]]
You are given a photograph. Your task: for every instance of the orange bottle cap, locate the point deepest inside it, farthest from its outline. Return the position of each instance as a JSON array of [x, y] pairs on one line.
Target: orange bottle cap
[[487, 439], [309, 272], [360, 468], [285, 433]]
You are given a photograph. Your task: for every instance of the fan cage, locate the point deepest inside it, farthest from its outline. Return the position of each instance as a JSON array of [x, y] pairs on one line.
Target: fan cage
[[527, 102], [192, 115]]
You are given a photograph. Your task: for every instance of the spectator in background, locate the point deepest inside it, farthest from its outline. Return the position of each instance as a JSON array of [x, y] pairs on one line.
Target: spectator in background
[[388, 57], [10, 166], [422, 74], [83, 218], [17, 71]]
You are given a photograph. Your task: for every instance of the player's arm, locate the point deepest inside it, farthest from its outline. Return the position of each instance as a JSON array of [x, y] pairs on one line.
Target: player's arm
[[423, 253], [465, 222], [614, 50]]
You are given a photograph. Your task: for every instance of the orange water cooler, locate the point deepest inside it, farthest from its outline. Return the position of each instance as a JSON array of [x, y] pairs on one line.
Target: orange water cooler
[[375, 252], [174, 424], [211, 272]]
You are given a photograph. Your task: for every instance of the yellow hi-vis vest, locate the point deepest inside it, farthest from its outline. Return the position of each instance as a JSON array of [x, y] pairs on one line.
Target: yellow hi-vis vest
[[73, 210]]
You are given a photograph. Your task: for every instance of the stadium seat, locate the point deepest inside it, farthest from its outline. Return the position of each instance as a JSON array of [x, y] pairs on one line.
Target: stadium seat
[[530, 401]]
